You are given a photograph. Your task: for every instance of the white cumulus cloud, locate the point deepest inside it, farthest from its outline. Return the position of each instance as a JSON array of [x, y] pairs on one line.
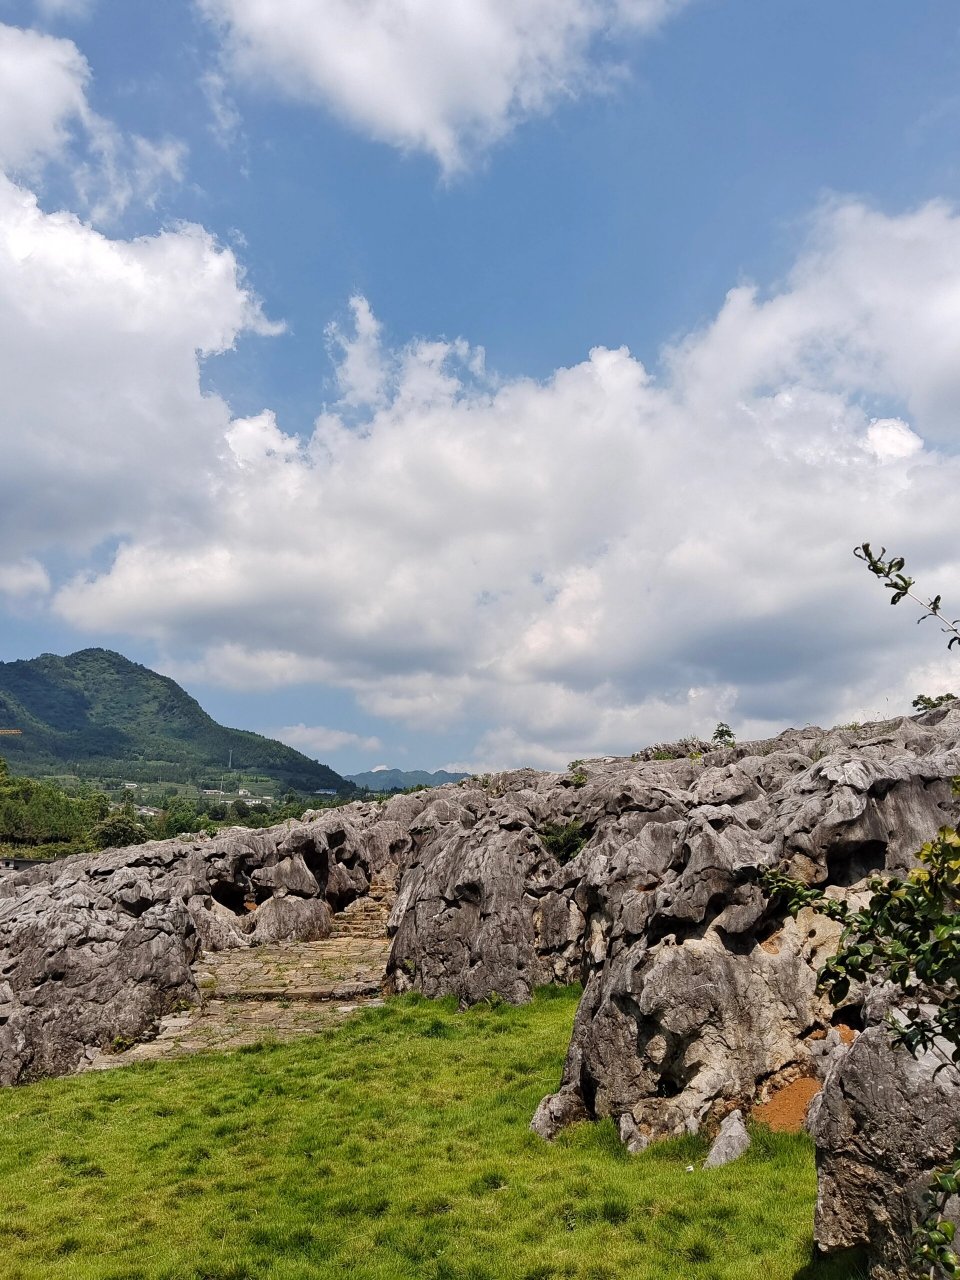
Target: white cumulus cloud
[[447, 77], [104, 427], [43, 84], [23, 578], [590, 562], [46, 117]]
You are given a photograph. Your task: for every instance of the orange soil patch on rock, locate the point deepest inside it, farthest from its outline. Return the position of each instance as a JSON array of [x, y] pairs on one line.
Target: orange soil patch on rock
[[772, 944], [786, 1110]]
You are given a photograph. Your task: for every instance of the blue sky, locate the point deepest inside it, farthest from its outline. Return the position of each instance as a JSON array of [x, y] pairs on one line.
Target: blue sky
[[396, 511]]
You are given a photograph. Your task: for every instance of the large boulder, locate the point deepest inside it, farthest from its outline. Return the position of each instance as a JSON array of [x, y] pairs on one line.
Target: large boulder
[[80, 973], [469, 911], [883, 1125]]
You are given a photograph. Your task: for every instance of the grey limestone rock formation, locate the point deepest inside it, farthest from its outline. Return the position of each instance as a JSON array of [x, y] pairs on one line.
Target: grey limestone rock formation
[[731, 1141], [697, 997], [95, 949]]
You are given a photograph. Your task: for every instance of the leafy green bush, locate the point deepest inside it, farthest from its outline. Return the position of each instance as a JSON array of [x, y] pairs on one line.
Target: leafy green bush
[[923, 701], [564, 839], [36, 817], [117, 831], [578, 774]]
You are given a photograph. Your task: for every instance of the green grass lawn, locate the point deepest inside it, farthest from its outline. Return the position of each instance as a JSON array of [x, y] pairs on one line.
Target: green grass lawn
[[396, 1146]]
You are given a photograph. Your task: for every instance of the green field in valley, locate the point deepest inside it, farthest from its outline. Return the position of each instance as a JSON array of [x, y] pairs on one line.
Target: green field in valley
[[396, 1146]]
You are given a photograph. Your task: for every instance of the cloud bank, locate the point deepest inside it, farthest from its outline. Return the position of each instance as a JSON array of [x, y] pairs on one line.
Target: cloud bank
[[588, 562], [430, 75]]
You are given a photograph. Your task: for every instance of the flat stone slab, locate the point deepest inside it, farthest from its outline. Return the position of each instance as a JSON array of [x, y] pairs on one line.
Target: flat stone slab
[[296, 971], [276, 992]]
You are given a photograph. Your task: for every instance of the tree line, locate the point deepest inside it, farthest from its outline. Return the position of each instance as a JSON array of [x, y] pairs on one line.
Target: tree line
[[43, 819]]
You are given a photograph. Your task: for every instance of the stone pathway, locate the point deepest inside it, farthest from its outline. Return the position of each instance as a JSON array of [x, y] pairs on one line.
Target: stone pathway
[[279, 992]]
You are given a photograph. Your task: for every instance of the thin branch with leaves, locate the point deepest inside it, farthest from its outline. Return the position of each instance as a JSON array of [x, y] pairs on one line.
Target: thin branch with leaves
[[901, 584]]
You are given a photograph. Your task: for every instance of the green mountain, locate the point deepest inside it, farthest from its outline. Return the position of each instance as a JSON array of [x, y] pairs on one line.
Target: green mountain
[[400, 779], [99, 715]]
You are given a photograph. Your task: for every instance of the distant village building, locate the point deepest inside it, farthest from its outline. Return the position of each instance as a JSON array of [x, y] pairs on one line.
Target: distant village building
[[24, 864], [131, 786]]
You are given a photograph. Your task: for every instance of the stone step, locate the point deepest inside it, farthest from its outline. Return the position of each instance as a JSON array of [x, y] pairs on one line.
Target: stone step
[[348, 990], [363, 918], [358, 935]]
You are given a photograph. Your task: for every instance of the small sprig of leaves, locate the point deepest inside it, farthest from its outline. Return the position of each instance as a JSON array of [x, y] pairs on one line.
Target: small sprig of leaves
[[933, 1237], [891, 572], [723, 735], [578, 774], [564, 839], [908, 934]]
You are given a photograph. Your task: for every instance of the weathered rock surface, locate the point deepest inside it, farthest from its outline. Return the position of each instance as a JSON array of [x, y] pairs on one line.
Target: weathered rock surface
[[883, 1124], [94, 950], [730, 1143]]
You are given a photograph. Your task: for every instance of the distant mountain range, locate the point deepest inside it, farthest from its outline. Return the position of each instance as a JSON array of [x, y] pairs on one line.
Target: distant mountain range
[[97, 714], [400, 779]]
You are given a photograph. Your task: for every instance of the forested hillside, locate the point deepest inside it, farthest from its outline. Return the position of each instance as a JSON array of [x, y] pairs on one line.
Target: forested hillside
[[96, 714]]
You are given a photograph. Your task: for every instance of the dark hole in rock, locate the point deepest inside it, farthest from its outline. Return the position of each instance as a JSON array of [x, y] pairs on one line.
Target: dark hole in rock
[[336, 838], [851, 1015], [467, 891], [849, 863], [134, 906], [317, 862], [588, 1091], [232, 896], [716, 902], [769, 927], [667, 1087], [735, 942]]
